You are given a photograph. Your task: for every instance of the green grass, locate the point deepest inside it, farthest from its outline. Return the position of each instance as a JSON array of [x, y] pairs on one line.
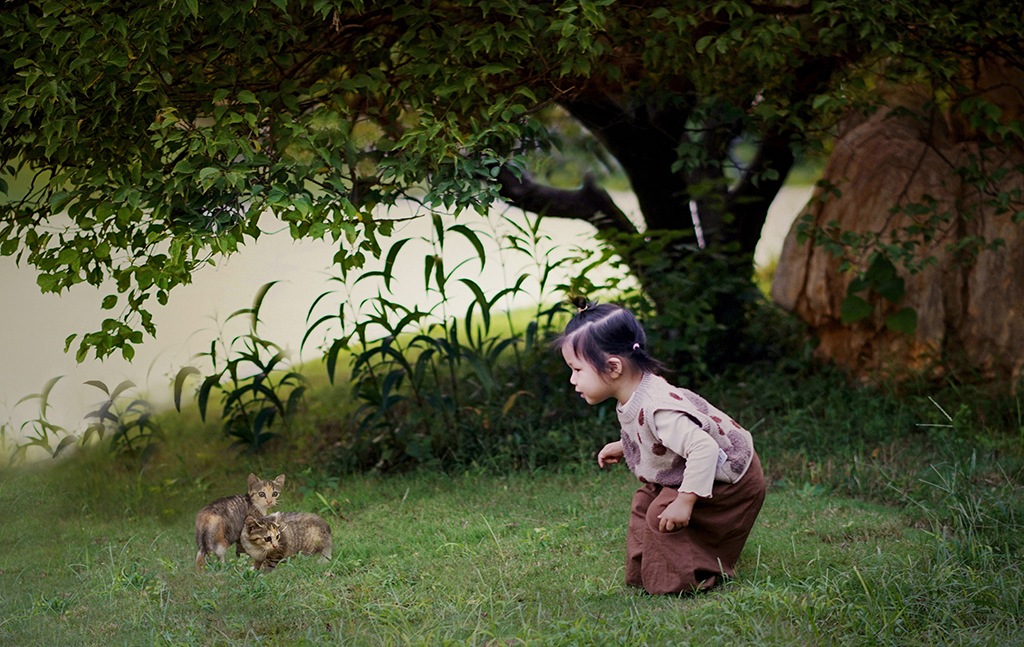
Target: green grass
[[423, 559], [430, 559], [876, 530]]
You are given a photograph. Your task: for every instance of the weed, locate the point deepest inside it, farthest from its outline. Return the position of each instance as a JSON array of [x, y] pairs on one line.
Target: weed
[[248, 372], [57, 604], [132, 427], [430, 384], [41, 434]]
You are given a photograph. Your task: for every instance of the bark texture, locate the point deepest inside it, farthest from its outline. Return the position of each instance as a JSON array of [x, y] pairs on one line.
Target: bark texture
[[969, 307]]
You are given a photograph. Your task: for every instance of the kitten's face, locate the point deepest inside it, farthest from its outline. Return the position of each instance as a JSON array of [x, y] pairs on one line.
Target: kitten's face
[[265, 535], [262, 493]]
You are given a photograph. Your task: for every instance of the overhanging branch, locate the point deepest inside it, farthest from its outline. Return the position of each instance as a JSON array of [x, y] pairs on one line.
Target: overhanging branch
[[589, 202]]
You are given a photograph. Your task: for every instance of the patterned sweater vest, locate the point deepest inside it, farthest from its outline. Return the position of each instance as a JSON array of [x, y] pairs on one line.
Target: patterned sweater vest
[[652, 462]]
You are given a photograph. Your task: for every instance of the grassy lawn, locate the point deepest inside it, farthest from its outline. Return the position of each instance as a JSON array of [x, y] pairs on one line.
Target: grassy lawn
[[888, 521], [95, 555]]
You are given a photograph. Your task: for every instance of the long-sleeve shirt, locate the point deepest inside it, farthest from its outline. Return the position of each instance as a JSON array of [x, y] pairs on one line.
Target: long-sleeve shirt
[[673, 437]]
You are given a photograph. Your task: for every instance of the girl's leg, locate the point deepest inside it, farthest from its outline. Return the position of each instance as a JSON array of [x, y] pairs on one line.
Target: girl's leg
[[699, 556], [635, 534], [667, 565]]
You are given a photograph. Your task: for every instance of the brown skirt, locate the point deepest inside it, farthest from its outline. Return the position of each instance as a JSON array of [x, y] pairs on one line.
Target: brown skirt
[[700, 555]]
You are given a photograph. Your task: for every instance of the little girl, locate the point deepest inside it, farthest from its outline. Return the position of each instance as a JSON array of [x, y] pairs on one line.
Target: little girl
[[702, 481]]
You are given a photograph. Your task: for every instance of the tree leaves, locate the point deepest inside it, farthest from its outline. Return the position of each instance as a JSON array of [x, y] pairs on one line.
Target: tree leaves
[[152, 126], [881, 283], [854, 309], [902, 321]]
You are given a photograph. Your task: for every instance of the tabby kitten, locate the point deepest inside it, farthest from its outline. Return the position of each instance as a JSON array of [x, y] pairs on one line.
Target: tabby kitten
[[269, 539], [219, 524]]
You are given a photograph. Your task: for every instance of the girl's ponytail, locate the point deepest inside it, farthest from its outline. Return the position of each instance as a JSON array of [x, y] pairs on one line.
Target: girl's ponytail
[[581, 304]]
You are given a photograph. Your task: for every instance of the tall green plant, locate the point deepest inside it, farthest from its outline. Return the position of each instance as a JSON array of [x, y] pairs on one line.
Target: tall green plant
[[39, 431], [131, 427], [126, 424], [252, 374], [431, 381]]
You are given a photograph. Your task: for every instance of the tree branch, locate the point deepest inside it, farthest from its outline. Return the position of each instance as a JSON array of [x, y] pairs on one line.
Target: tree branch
[[589, 202]]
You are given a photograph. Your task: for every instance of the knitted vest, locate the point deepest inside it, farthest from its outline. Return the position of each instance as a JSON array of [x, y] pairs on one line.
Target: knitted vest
[[647, 456]]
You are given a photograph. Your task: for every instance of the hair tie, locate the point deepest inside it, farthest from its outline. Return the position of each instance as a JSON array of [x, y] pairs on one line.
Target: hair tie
[[636, 346], [583, 307]]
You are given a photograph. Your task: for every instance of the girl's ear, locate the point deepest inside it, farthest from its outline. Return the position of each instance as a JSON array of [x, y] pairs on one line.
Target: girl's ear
[[614, 366]]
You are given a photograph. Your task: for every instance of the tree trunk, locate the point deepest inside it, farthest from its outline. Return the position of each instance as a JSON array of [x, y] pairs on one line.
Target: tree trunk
[[967, 297], [645, 140]]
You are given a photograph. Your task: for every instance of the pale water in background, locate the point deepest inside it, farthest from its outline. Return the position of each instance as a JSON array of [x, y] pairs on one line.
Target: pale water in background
[[33, 326]]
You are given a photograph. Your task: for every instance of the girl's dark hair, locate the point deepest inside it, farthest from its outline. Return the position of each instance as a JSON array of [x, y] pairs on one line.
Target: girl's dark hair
[[599, 330]]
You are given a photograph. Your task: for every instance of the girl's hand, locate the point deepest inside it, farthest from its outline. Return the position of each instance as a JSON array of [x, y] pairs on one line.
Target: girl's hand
[[610, 454], [677, 514]]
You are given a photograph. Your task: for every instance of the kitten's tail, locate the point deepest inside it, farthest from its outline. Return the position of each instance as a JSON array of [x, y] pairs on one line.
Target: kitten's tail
[[203, 544]]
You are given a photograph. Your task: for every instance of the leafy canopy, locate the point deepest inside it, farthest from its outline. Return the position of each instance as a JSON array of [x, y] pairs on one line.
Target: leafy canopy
[[141, 141]]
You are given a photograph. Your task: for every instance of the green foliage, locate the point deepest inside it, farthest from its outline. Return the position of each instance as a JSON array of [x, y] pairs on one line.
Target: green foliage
[[880, 281], [132, 427], [696, 326], [126, 426], [142, 142], [433, 386], [917, 542], [39, 432], [152, 181], [255, 384]]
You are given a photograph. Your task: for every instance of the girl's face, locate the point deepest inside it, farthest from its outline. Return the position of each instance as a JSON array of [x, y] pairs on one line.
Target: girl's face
[[593, 385]]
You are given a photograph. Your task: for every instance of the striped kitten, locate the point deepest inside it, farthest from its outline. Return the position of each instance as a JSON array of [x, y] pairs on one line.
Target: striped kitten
[[219, 524], [269, 539]]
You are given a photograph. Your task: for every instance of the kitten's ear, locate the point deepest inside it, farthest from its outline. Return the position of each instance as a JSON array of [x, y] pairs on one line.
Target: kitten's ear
[[279, 481], [253, 480]]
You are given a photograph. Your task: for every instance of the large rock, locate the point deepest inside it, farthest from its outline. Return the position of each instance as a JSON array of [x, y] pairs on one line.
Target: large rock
[[968, 305]]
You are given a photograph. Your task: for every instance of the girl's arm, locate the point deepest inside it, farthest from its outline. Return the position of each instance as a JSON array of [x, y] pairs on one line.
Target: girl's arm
[[610, 453], [677, 514], [684, 437]]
